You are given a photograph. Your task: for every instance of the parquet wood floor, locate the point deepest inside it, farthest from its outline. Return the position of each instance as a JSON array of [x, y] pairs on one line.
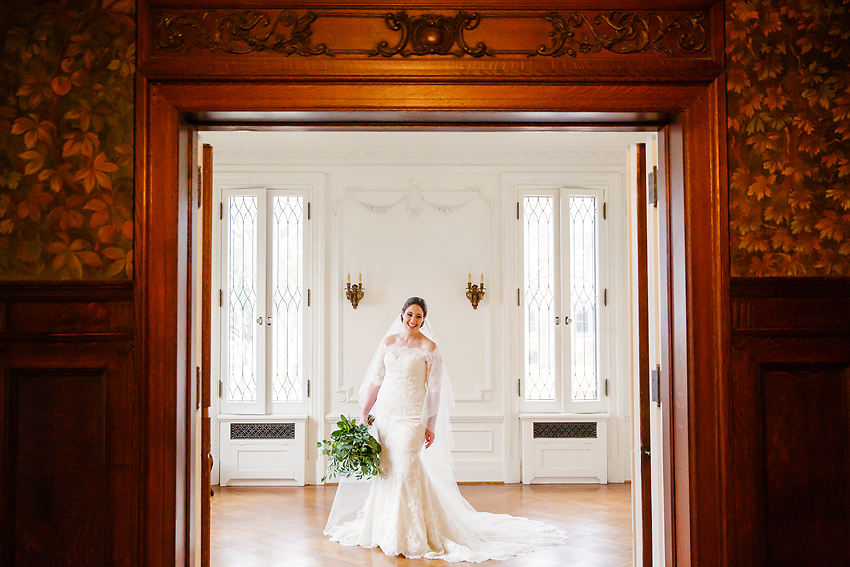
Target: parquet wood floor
[[270, 527]]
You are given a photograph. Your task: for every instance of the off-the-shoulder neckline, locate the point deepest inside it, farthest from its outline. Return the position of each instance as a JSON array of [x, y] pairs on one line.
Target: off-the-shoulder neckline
[[428, 352]]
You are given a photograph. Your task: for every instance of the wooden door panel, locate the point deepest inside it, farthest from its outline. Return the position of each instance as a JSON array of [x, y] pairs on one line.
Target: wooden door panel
[[68, 427], [804, 443], [790, 395]]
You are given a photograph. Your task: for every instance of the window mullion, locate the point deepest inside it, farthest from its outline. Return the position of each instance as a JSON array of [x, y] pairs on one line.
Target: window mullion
[[564, 374]]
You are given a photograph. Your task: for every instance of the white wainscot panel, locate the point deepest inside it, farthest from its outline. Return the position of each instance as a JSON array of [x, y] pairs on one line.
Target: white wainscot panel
[[473, 441], [478, 453], [566, 448], [260, 461]]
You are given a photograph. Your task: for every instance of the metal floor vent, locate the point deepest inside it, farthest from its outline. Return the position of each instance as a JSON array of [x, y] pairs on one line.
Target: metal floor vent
[[262, 431], [565, 430]]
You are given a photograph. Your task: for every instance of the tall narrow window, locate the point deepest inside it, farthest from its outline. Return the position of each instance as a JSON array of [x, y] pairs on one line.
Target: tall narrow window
[[287, 297], [583, 294], [540, 232], [265, 281], [560, 252], [243, 334]]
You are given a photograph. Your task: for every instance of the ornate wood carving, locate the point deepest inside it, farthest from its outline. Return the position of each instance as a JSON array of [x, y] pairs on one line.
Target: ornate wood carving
[[284, 32], [632, 33], [238, 33], [432, 35]]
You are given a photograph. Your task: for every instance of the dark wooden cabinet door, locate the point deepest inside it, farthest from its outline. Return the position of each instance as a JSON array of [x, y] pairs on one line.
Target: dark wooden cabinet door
[[790, 397], [67, 425]]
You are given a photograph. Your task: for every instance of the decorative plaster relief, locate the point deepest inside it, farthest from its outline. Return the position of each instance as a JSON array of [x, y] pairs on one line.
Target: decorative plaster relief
[[413, 199]]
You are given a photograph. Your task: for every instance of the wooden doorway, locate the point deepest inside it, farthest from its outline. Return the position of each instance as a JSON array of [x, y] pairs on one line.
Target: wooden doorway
[[187, 73]]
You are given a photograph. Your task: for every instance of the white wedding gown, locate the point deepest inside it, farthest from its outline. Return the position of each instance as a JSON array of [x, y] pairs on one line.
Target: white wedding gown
[[407, 512]]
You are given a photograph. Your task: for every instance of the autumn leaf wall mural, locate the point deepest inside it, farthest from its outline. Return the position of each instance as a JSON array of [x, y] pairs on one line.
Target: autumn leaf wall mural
[[788, 74], [66, 139]]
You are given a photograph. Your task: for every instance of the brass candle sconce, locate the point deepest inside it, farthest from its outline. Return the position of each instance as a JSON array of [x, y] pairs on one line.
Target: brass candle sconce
[[475, 293], [354, 293]]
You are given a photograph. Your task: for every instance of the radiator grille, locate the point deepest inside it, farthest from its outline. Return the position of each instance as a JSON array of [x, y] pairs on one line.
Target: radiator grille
[[565, 430], [262, 431]]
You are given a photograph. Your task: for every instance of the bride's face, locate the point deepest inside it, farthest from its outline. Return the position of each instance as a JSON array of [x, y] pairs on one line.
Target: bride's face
[[413, 317]]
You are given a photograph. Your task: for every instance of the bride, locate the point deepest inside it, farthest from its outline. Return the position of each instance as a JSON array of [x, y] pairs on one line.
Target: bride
[[416, 509]]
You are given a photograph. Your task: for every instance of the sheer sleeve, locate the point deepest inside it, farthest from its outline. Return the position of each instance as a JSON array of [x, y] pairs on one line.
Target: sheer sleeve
[[380, 370], [372, 381], [432, 396]]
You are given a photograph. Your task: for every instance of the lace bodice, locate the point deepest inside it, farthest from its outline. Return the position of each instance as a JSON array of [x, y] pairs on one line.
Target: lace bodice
[[403, 375]]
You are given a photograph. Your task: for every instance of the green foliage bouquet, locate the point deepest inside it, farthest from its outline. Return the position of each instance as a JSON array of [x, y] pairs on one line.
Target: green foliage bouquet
[[352, 451]]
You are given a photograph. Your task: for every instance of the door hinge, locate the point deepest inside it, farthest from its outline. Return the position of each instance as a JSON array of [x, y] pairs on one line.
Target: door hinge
[[517, 297], [517, 210], [220, 298], [197, 387], [221, 211], [308, 388], [308, 298], [219, 388], [604, 211], [308, 210], [652, 186], [605, 297], [606, 386], [655, 385], [519, 387], [645, 452]]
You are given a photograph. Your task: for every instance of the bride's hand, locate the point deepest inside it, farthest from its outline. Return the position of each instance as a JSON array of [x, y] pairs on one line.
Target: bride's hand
[[429, 438]]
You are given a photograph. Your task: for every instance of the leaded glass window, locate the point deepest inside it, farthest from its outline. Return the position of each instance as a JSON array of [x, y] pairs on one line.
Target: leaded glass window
[[540, 284], [560, 258], [287, 298], [243, 334], [264, 283]]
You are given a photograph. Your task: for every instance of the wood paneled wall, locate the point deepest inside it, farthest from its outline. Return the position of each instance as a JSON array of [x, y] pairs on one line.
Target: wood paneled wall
[[68, 427], [790, 398]]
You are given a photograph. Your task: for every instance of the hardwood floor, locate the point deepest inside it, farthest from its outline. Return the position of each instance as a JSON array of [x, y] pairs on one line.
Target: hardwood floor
[[264, 527]]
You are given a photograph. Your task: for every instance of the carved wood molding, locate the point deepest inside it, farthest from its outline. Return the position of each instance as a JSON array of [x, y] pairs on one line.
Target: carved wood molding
[[238, 33], [624, 33], [431, 35], [353, 34]]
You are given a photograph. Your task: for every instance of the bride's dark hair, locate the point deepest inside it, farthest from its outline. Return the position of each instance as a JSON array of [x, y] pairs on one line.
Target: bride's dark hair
[[416, 301]]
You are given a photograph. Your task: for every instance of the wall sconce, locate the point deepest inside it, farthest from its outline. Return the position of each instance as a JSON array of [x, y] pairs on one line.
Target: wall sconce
[[475, 293], [354, 293]]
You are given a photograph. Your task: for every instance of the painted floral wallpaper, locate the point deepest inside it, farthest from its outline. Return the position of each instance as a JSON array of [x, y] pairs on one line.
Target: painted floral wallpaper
[[67, 72], [788, 75], [66, 138]]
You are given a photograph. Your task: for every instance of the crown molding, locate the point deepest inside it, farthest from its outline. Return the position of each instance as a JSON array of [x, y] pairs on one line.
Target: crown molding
[[331, 157]]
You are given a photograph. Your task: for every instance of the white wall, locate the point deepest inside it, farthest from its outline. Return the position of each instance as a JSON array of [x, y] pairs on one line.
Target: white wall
[[415, 213]]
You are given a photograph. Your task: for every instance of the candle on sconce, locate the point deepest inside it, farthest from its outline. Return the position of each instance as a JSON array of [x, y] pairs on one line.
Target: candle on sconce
[[349, 278], [482, 280], [470, 277], [360, 278]]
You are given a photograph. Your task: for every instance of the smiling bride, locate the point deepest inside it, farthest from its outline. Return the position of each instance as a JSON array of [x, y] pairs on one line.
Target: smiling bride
[[415, 509]]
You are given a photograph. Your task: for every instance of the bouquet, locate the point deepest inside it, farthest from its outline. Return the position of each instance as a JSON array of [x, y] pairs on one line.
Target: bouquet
[[352, 451]]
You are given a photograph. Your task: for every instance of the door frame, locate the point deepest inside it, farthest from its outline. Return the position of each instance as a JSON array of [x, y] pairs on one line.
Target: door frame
[[690, 112]]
